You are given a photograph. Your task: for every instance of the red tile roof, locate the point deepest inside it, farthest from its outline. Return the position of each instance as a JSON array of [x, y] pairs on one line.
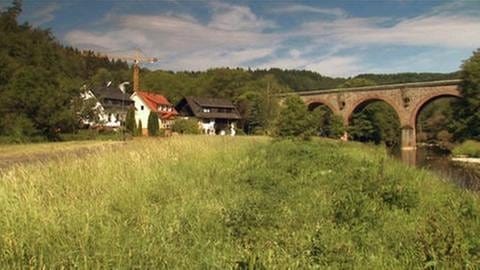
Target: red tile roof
[[153, 101]]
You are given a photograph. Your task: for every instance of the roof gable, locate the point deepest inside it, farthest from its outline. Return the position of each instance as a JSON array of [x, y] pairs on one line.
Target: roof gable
[[208, 108], [154, 100]]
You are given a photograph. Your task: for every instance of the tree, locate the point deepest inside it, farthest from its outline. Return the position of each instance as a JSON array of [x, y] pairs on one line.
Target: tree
[[376, 122], [294, 119], [357, 82], [139, 128], [186, 126], [336, 127], [130, 124], [467, 109], [152, 125]]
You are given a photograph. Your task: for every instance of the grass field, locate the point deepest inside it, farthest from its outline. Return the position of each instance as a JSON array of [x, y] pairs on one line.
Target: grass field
[[244, 202]]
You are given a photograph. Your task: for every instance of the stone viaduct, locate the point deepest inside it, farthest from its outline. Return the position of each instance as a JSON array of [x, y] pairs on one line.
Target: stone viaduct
[[406, 99]]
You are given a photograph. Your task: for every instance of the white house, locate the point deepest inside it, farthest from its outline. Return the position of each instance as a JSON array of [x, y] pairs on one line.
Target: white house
[[145, 102], [112, 106]]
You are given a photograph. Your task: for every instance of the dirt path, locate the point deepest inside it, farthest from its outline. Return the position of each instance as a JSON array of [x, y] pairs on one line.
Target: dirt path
[[29, 154]]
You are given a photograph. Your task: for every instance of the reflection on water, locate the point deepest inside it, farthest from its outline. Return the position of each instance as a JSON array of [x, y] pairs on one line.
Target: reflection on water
[[438, 160]]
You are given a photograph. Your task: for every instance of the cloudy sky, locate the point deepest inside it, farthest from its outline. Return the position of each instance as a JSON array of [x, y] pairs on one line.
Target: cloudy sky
[[335, 38]]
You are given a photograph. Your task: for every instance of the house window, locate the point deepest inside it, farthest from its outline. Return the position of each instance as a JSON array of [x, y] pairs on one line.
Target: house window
[[141, 107], [117, 117], [206, 110], [109, 117]]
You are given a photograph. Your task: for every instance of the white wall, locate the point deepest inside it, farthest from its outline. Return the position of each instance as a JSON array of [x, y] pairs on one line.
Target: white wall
[[141, 110]]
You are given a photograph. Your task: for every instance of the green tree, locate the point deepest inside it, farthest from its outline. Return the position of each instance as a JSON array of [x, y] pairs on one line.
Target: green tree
[[376, 122], [139, 128], [467, 109], [357, 82], [130, 124], [186, 126], [152, 125], [336, 128], [294, 119]]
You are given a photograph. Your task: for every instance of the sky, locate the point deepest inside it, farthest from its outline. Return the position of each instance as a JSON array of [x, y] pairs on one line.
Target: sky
[[334, 38]]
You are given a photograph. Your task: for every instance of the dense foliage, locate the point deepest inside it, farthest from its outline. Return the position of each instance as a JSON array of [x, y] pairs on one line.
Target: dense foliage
[[153, 125], [186, 126], [467, 111], [130, 124], [468, 148], [206, 202], [376, 122], [293, 119], [41, 80]]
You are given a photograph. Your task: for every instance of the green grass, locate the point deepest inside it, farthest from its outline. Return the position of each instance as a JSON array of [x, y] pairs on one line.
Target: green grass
[[16, 150], [468, 148], [248, 203]]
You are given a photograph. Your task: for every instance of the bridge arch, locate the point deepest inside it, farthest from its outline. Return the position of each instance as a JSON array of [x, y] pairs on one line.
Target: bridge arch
[[427, 100], [364, 101], [381, 103], [314, 103]]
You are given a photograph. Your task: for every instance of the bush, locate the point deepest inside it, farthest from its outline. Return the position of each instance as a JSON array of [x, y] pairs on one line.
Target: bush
[[130, 124], [186, 126], [469, 148], [139, 128], [294, 119], [153, 126]]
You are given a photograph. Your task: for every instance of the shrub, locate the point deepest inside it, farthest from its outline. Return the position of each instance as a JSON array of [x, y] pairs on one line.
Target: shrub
[[139, 128], [469, 148], [130, 121], [294, 119], [153, 126], [186, 126]]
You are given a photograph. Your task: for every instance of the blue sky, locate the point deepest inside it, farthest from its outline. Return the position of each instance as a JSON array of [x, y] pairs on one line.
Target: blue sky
[[335, 38]]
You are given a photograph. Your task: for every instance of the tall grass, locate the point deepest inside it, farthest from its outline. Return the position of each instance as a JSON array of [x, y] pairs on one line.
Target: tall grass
[[221, 202]]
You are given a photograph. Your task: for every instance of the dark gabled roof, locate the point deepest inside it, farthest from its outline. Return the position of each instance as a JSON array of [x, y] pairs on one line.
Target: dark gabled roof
[[212, 102], [197, 104], [112, 93]]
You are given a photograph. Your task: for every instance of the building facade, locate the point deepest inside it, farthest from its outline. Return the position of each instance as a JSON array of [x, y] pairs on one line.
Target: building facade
[[146, 102]]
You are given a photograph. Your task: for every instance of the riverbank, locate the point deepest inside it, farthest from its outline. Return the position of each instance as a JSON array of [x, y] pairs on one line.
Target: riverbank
[[466, 159], [222, 202], [468, 149]]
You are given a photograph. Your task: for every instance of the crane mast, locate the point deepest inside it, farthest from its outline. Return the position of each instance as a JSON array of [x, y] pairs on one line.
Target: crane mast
[[137, 59]]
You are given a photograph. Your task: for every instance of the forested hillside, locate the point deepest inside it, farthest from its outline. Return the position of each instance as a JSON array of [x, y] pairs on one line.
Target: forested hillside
[[40, 79]]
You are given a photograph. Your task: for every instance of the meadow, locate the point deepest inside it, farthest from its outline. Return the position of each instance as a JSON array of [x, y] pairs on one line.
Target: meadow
[[197, 202]]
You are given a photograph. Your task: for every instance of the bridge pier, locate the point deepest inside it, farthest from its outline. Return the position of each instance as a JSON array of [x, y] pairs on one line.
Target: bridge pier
[[408, 140]]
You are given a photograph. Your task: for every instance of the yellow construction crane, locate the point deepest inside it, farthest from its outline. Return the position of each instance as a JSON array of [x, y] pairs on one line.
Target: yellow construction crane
[[137, 59]]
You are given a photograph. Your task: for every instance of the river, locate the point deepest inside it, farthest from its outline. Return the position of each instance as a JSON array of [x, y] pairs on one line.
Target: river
[[433, 158]]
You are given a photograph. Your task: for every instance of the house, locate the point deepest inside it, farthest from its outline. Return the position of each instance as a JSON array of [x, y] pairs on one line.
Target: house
[[111, 105], [215, 115], [146, 102]]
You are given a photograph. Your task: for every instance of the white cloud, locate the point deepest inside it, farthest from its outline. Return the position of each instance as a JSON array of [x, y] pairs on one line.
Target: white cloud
[[452, 31], [337, 66], [236, 36], [222, 58], [299, 8], [237, 18], [294, 53], [44, 14], [183, 42]]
